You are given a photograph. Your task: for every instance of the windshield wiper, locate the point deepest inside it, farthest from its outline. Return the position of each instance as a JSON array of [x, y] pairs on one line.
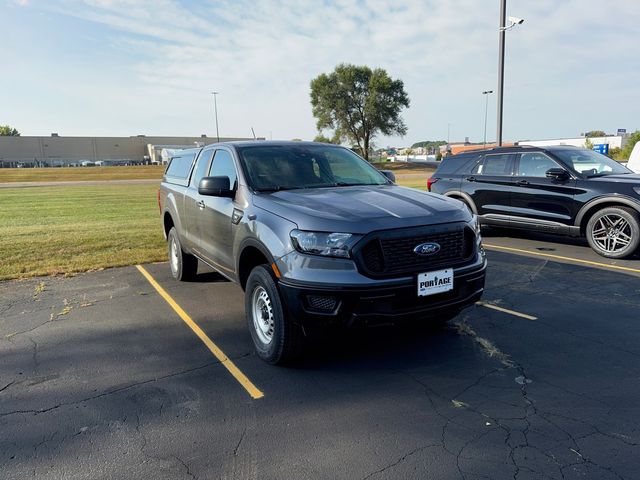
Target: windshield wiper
[[277, 188], [601, 174], [347, 184]]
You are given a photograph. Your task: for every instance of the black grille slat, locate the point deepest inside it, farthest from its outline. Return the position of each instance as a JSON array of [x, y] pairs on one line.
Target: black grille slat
[[392, 252]]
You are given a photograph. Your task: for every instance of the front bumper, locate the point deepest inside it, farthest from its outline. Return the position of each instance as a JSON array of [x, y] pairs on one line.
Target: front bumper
[[319, 305]]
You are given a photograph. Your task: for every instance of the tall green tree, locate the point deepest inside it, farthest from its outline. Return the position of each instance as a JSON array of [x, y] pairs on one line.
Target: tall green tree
[[8, 131], [322, 139], [358, 103], [631, 141], [595, 133]]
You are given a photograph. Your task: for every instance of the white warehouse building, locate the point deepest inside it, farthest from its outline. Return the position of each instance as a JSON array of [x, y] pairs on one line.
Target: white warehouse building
[[614, 141]]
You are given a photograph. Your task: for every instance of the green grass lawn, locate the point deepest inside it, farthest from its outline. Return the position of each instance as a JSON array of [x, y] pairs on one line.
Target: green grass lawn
[[53, 230], [62, 230], [68, 174]]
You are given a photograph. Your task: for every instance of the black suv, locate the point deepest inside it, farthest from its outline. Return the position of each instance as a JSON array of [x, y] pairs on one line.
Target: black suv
[[560, 189]]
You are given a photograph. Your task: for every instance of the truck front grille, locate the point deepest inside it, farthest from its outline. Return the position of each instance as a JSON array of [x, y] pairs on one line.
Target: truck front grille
[[391, 252]]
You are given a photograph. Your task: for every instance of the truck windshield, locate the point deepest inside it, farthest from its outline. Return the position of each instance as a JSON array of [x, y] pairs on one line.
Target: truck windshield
[[590, 163], [286, 167]]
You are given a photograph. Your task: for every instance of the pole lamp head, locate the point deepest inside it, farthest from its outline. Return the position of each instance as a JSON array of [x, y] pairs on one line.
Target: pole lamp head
[[513, 21]]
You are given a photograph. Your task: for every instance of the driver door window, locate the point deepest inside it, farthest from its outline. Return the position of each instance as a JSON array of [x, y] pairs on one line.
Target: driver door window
[[534, 164]]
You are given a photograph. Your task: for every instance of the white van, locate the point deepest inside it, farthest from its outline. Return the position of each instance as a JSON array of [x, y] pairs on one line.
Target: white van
[[634, 159]]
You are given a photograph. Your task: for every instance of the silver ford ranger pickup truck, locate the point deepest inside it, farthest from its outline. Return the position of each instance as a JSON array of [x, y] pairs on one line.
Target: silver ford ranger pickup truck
[[317, 238]]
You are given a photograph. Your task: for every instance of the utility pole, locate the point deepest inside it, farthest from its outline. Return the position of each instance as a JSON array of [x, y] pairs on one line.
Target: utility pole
[[215, 109], [486, 93], [501, 39]]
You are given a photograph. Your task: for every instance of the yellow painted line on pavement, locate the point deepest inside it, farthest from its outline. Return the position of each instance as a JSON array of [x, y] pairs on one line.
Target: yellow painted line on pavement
[[242, 379], [506, 310], [560, 257]]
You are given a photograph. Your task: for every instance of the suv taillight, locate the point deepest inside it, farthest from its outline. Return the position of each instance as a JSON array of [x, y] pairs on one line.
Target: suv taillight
[[431, 181]]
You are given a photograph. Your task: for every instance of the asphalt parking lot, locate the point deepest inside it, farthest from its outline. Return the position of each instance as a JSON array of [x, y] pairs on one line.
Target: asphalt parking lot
[[101, 378]]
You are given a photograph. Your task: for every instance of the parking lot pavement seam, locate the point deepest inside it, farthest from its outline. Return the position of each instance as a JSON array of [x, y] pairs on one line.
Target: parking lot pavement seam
[[506, 310], [231, 367], [111, 392], [560, 257]]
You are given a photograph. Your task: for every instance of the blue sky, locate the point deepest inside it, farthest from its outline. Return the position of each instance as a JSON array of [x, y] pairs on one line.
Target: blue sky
[[126, 67]]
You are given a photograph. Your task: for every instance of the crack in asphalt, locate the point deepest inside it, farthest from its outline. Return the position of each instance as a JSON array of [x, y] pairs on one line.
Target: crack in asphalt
[[235, 450], [7, 386], [147, 456], [530, 410], [117, 390], [401, 459], [186, 467]]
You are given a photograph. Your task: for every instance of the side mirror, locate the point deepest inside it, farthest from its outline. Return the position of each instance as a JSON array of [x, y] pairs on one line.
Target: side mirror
[[215, 187], [557, 174], [389, 174]]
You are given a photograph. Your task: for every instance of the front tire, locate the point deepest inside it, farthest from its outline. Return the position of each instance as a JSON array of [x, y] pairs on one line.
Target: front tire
[[183, 266], [614, 232], [277, 339]]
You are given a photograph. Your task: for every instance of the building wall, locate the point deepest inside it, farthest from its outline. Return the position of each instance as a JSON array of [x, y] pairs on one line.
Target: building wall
[[613, 141], [54, 150]]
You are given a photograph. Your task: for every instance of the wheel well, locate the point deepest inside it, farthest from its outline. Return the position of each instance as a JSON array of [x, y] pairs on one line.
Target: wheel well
[[250, 258], [589, 213], [168, 223], [457, 196]]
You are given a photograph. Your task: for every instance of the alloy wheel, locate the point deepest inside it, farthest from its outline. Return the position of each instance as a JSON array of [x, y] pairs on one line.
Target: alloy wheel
[[612, 233]]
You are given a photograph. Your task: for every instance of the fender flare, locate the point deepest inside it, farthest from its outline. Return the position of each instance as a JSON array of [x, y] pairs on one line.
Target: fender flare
[[619, 199], [171, 210], [464, 196], [257, 244]]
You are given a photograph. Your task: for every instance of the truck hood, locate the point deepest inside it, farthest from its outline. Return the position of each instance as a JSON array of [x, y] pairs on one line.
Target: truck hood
[[361, 209]]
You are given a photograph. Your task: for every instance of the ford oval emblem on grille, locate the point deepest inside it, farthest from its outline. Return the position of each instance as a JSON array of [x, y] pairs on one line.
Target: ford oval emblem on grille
[[425, 249]]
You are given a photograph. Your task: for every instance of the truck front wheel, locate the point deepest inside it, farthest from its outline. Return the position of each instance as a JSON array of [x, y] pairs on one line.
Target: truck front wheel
[[277, 339], [183, 266]]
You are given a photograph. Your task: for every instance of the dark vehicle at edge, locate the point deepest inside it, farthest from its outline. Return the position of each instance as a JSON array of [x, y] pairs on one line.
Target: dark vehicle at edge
[[560, 189]]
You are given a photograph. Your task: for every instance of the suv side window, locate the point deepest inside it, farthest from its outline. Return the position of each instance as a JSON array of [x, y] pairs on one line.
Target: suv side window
[[534, 164], [223, 166], [201, 167], [499, 164]]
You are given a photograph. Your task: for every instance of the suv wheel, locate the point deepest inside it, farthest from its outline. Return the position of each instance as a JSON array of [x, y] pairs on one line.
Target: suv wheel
[[614, 232], [276, 337], [183, 266]]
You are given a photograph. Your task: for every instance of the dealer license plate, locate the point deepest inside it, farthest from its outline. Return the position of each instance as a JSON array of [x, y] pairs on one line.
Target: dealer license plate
[[431, 283]]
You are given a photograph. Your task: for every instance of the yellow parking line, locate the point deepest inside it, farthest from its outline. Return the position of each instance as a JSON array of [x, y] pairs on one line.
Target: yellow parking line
[[506, 310], [559, 257], [219, 354]]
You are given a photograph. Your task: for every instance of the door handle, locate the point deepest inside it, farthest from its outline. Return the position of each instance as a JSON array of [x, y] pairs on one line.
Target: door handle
[[522, 183], [200, 204], [471, 179]]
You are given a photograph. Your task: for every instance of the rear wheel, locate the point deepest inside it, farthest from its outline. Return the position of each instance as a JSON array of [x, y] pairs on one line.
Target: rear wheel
[[614, 232], [277, 339], [183, 266]]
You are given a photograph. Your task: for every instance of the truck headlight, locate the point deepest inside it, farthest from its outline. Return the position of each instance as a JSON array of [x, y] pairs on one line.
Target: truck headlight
[[325, 244], [475, 224]]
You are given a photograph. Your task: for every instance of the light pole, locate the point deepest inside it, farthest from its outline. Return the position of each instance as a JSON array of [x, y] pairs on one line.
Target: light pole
[[513, 21], [215, 109], [486, 93]]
